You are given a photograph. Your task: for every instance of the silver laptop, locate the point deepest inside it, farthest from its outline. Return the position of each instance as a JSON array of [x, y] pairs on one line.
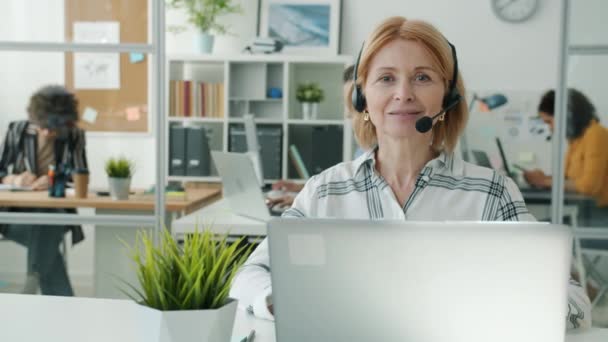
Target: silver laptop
[[346, 280], [241, 188]]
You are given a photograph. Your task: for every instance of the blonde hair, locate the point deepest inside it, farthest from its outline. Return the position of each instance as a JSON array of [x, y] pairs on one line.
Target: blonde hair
[[445, 133]]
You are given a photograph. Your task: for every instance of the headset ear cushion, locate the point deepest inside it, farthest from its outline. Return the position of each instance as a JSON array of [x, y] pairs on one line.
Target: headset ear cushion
[[358, 99]]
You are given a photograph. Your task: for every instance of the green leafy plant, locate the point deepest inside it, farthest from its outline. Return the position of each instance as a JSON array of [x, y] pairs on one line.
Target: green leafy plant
[[119, 167], [195, 276], [204, 13], [309, 92]]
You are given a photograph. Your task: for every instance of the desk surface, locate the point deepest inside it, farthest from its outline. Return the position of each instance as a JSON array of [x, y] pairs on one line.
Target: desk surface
[[193, 200], [221, 220], [35, 318]]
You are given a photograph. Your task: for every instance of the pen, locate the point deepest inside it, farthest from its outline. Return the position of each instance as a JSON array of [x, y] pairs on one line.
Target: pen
[[249, 337]]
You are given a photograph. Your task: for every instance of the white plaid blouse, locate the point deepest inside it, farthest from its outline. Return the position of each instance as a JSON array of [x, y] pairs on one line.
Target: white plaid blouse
[[446, 189]]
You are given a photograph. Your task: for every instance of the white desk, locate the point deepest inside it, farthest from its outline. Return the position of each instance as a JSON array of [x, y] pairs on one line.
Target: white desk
[[61, 319], [220, 219]]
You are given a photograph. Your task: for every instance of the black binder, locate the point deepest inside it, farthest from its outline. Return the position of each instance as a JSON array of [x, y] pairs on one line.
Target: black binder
[[326, 147], [270, 139], [198, 155], [177, 151]]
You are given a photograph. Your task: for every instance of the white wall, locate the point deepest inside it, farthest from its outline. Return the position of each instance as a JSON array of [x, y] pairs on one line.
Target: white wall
[[241, 26], [589, 73], [492, 54]]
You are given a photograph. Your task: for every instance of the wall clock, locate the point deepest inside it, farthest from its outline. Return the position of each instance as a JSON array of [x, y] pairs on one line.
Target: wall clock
[[514, 11]]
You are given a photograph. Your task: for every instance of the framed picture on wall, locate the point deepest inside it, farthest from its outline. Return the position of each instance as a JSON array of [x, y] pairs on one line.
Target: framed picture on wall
[[305, 27]]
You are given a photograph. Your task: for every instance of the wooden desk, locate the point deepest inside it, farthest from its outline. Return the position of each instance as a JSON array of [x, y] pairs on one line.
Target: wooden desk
[[192, 200], [111, 260]]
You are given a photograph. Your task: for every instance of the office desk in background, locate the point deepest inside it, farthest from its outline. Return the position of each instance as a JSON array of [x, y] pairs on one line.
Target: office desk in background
[[221, 220], [110, 256], [36, 318], [541, 198]]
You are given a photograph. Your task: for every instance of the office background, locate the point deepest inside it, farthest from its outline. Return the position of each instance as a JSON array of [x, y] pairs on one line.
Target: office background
[[519, 59]]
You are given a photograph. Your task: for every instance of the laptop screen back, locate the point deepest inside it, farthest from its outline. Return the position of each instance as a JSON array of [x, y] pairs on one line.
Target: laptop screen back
[[240, 184], [346, 280]]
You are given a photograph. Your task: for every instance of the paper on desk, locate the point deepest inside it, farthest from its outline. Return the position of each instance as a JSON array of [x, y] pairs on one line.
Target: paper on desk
[[133, 113], [9, 187], [89, 115], [97, 70]]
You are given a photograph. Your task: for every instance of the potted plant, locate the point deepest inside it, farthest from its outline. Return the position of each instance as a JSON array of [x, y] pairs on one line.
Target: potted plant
[[203, 14], [119, 172], [309, 94], [184, 289]]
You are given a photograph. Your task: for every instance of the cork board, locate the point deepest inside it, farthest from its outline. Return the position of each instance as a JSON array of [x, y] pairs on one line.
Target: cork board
[[118, 110]]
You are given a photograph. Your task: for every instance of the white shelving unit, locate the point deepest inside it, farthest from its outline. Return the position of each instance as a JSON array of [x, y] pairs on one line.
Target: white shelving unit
[[246, 82]]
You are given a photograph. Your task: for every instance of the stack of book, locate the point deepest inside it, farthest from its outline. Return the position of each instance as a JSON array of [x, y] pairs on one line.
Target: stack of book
[[196, 99]]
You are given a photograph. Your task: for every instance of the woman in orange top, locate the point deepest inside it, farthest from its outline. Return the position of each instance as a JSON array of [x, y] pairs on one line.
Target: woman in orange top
[[587, 157]]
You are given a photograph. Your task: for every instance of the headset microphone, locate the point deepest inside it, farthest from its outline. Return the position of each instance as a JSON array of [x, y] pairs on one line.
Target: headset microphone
[[424, 124]]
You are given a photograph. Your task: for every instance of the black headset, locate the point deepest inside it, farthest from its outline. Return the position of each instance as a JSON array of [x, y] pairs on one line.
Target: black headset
[[424, 124]]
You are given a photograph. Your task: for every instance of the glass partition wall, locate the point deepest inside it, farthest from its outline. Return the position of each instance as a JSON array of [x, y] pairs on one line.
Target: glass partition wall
[[580, 146], [84, 77]]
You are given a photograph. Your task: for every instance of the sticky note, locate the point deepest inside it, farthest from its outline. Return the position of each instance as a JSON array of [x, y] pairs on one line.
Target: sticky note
[[306, 249], [526, 157], [136, 57], [89, 115], [133, 113]]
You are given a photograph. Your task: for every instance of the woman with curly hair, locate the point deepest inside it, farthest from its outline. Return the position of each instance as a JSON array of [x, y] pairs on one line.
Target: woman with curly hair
[[587, 156], [48, 138]]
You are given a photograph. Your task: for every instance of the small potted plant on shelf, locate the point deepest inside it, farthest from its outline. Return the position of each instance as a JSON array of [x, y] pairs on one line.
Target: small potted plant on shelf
[[203, 14], [119, 171], [184, 288], [309, 94]]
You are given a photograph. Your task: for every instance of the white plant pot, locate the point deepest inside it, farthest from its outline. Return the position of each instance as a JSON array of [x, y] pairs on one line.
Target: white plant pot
[[188, 326], [310, 110], [119, 188], [203, 42]]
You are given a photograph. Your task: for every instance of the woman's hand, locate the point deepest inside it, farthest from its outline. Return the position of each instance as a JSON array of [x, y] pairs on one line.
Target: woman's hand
[[537, 178], [287, 186], [41, 183], [25, 179], [283, 201], [9, 179]]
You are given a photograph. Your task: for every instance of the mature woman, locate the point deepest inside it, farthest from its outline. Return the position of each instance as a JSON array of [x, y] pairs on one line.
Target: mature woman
[[587, 157], [410, 114], [47, 138]]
